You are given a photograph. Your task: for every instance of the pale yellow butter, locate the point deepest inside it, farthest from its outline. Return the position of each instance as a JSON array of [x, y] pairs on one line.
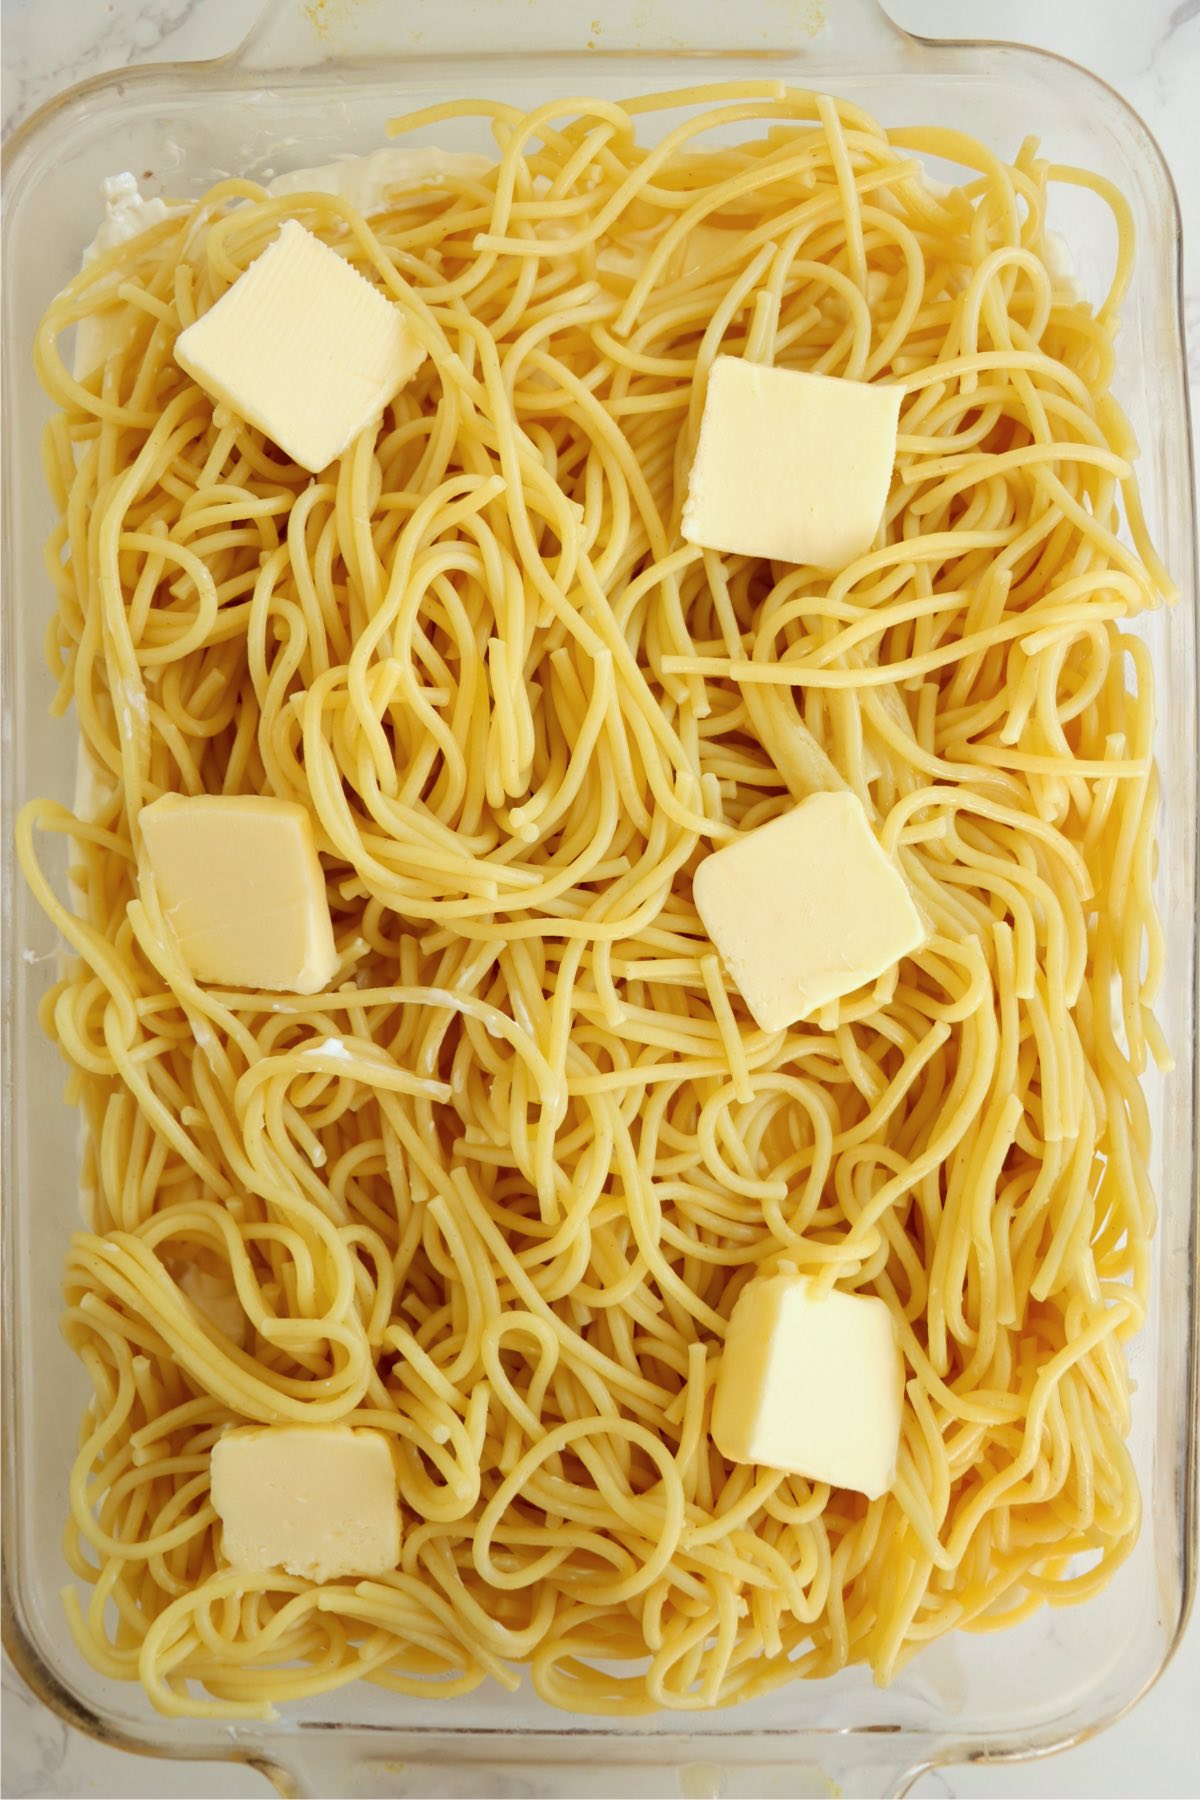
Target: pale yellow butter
[[316, 1500], [703, 245], [700, 247], [790, 465], [813, 1386], [240, 883], [127, 214], [216, 1298], [302, 346], [805, 909]]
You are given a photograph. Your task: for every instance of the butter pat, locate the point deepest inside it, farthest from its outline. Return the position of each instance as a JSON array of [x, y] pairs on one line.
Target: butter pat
[[813, 1386], [238, 878], [303, 347], [805, 909], [791, 466], [316, 1500], [127, 214], [216, 1298], [386, 179], [702, 244]]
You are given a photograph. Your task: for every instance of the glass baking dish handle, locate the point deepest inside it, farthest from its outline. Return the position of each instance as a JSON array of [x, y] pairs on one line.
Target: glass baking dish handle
[[291, 35], [344, 1762]]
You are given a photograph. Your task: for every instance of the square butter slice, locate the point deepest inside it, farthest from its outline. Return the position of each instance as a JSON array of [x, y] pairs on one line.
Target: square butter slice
[[241, 886], [790, 465], [215, 1297], [811, 1385], [805, 909], [303, 347], [316, 1500]]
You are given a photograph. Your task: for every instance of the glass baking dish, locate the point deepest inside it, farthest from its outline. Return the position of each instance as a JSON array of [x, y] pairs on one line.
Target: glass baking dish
[[306, 86]]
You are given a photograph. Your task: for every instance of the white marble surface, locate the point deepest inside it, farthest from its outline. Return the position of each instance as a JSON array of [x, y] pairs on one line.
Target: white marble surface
[[1147, 49]]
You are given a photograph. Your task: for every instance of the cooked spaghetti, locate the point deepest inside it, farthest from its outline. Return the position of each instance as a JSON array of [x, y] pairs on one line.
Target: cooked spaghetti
[[495, 1192]]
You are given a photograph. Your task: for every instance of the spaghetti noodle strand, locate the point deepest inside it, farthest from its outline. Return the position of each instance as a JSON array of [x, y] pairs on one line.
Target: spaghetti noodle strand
[[495, 1191]]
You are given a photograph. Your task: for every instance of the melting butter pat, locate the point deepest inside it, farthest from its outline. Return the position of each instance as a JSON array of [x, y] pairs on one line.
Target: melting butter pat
[[303, 347], [214, 1296], [702, 246], [316, 1500], [696, 250], [805, 909], [812, 1386], [790, 465], [239, 881]]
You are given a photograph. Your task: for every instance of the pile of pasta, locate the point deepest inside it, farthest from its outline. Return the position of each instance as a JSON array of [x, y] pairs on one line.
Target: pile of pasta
[[495, 1192]]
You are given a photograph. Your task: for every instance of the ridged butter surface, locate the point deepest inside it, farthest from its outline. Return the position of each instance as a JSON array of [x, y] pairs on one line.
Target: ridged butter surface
[[303, 347]]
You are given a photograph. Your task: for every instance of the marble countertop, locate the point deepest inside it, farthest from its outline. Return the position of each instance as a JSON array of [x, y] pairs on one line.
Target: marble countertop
[[1150, 52]]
